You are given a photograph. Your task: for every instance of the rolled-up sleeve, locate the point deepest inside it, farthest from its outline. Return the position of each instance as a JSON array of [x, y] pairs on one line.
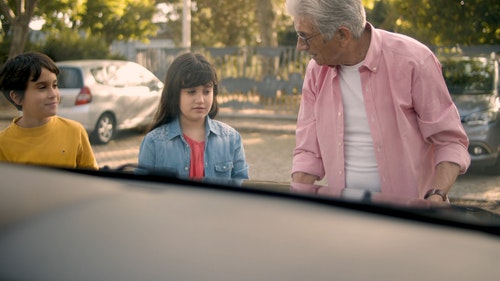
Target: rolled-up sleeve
[[307, 154], [438, 117]]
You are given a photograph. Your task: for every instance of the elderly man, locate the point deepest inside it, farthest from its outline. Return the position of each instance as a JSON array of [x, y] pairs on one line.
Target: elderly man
[[375, 113]]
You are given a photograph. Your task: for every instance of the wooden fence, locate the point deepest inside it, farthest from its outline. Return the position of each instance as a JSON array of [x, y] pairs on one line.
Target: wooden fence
[[249, 76]]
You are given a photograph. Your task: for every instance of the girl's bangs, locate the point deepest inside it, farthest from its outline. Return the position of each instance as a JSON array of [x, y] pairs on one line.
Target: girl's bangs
[[198, 78]]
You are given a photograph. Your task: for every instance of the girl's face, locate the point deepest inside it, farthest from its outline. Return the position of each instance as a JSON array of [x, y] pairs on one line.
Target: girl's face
[[196, 102], [41, 99]]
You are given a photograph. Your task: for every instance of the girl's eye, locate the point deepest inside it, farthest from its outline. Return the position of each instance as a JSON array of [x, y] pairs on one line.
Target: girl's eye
[[208, 89]]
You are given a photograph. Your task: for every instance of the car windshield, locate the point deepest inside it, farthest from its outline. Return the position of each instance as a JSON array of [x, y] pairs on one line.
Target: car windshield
[[468, 75], [287, 106], [249, 140]]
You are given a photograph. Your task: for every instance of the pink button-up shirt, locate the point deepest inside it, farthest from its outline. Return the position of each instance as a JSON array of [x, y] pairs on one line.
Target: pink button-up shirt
[[413, 121]]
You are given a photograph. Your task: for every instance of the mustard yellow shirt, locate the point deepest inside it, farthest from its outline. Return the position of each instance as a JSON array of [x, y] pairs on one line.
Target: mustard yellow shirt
[[61, 142]]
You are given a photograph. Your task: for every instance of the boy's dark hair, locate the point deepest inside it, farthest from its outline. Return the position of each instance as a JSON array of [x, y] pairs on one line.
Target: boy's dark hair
[[16, 73]]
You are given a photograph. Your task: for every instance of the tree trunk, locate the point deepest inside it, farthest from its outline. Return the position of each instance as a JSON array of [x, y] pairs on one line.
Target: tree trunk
[[19, 23], [20, 32], [265, 17]]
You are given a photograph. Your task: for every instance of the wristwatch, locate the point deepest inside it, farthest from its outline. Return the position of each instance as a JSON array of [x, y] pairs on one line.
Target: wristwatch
[[435, 191]]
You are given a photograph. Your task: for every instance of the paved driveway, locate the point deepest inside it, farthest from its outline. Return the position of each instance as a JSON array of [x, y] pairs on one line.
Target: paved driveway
[[269, 154]]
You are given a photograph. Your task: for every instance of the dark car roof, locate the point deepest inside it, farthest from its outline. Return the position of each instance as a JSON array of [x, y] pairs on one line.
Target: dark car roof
[[61, 225]]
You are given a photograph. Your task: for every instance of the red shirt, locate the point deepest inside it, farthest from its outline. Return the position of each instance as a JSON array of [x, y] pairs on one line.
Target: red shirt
[[196, 165]]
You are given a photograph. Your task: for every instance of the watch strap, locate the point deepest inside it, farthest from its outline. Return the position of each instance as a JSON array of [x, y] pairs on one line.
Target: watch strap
[[435, 191]]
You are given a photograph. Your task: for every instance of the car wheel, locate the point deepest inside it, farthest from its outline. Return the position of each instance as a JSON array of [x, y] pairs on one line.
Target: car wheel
[[104, 129], [493, 170]]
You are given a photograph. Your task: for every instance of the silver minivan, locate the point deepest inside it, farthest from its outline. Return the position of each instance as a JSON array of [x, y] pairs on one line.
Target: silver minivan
[[106, 96], [473, 82]]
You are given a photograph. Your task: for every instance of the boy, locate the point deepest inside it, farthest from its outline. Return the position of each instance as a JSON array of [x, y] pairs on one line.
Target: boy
[[39, 137]]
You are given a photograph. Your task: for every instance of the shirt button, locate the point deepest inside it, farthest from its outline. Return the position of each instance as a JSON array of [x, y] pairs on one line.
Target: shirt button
[[185, 168], [341, 172]]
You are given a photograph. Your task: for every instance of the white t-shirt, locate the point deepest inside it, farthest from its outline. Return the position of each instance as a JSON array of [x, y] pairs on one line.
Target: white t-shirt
[[361, 169]]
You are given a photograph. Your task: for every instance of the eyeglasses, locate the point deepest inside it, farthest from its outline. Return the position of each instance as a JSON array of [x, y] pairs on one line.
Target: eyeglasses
[[306, 39]]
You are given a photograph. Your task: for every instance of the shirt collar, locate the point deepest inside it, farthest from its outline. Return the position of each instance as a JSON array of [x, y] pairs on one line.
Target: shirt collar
[[174, 128], [374, 54], [212, 128]]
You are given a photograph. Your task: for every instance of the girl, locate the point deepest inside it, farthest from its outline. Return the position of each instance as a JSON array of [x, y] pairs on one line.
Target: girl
[[184, 139]]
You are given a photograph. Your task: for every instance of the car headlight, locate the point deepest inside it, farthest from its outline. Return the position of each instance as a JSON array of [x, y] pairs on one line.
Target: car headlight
[[481, 117]]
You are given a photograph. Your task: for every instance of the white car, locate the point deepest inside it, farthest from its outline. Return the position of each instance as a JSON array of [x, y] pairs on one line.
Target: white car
[[106, 96]]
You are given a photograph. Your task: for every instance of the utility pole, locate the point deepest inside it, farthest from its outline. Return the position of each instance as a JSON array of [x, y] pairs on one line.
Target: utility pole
[[186, 24]]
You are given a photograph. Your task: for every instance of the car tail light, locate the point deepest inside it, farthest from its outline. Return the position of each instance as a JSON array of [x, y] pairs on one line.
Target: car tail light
[[84, 96]]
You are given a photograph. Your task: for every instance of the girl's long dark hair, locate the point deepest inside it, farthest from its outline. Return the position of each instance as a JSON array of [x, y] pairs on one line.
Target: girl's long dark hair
[[186, 71]]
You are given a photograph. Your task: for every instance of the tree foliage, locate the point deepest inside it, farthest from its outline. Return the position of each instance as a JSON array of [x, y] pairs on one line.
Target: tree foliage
[[108, 19], [16, 16], [105, 20], [68, 44], [449, 22], [434, 22], [219, 23]]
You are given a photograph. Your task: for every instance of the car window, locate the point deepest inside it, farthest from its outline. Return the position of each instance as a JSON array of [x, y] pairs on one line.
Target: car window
[[143, 77], [130, 75], [468, 75], [99, 74], [69, 77]]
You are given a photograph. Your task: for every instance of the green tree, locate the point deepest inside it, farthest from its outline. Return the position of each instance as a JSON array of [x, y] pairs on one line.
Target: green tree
[[16, 16], [220, 23], [107, 20], [381, 14], [223, 23], [119, 19], [449, 22], [68, 44]]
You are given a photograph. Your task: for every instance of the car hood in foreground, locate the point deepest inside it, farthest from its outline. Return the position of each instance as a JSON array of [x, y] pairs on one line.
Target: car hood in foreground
[[83, 225]]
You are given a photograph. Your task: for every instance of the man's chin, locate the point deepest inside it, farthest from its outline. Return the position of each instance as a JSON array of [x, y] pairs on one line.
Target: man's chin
[[319, 62]]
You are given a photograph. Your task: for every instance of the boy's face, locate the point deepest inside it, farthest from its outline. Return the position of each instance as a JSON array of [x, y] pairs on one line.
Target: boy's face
[[41, 98]]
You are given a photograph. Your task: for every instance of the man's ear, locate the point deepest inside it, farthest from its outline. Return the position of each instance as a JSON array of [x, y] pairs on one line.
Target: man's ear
[[344, 35]]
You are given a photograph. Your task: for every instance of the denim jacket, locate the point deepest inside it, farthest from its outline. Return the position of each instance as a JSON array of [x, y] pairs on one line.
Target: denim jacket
[[165, 149]]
